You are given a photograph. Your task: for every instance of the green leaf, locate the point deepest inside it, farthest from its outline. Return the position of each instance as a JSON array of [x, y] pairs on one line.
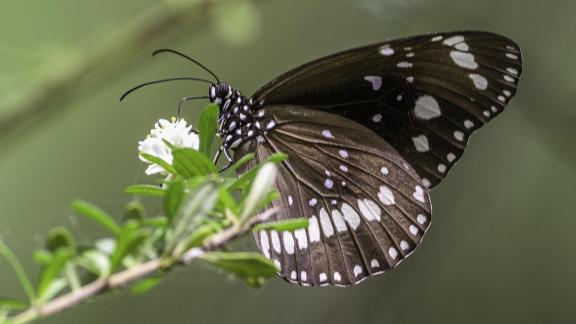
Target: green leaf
[[158, 161], [259, 190], [86, 209], [156, 222], [145, 190], [284, 225], [134, 210], [207, 127], [245, 265], [191, 163], [13, 304], [145, 285], [42, 257], [51, 272], [95, 261], [226, 201], [60, 237], [18, 269], [197, 238], [191, 213], [173, 198], [244, 180], [243, 160], [127, 241]]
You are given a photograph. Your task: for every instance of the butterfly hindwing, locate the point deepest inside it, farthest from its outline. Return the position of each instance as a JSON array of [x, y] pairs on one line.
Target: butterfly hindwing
[[367, 207], [425, 95]]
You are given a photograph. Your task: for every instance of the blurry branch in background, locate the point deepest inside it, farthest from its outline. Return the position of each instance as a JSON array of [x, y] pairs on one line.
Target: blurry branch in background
[[203, 212], [155, 27]]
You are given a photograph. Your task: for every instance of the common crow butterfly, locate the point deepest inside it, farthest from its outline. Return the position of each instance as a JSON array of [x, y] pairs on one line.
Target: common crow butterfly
[[368, 132]]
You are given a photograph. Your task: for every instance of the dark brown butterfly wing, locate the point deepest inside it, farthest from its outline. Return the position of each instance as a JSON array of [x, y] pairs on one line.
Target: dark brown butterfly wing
[[425, 95], [368, 208]]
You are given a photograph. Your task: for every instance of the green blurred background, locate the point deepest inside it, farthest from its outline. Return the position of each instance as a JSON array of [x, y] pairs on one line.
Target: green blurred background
[[502, 246]]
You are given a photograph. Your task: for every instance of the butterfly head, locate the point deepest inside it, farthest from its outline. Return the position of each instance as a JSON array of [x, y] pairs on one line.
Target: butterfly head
[[220, 92]]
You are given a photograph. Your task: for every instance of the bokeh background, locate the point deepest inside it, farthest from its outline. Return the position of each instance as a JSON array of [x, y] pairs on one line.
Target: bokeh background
[[501, 248]]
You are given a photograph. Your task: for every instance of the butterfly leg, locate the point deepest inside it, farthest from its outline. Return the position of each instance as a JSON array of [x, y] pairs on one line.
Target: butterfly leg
[[226, 154]]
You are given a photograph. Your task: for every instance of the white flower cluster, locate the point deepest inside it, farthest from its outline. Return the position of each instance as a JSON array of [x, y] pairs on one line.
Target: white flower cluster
[[176, 132]]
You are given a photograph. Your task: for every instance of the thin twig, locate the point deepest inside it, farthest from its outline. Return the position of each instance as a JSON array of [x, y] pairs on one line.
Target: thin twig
[[137, 272]]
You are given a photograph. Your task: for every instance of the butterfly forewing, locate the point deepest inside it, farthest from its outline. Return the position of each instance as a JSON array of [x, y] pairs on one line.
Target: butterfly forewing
[[424, 95], [367, 207]]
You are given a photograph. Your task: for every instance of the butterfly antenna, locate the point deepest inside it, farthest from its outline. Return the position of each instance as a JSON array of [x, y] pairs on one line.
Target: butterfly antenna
[[166, 50], [160, 81]]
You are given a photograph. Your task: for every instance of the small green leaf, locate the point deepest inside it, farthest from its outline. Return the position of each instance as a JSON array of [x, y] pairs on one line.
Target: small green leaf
[[145, 285], [284, 225], [191, 163], [86, 209], [95, 261], [17, 267], [191, 213], [60, 237], [244, 180], [197, 238], [13, 304], [158, 161], [42, 257], [173, 198], [226, 201], [242, 264], [207, 127], [51, 272], [145, 190], [243, 160], [259, 189], [127, 241], [134, 210], [156, 222]]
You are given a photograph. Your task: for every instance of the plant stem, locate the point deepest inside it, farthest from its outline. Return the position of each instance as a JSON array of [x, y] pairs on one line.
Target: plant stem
[[137, 272]]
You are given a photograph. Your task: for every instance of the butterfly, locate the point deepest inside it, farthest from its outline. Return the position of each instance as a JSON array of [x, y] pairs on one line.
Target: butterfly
[[368, 132]]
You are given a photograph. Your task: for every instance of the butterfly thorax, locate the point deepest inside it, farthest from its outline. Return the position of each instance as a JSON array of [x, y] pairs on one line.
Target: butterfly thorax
[[239, 119]]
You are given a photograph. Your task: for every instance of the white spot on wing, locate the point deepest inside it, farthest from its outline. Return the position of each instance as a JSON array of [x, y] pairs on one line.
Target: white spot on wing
[[343, 168], [290, 200], [427, 107], [357, 270], [301, 238], [419, 194], [508, 78], [313, 230], [351, 216], [404, 65], [462, 47], [338, 219], [384, 170], [329, 183], [275, 241], [374, 263], [421, 143], [343, 153], [404, 245], [327, 133], [437, 38], [386, 196], [337, 276], [312, 202], [410, 79], [326, 223], [451, 157], [386, 50], [512, 71], [421, 219], [468, 124], [480, 82], [413, 229], [512, 56], [441, 168], [465, 60], [288, 242], [377, 118], [322, 277], [450, 41], [375, 80], [392, 253], [265, 244], [369, 209], [459, 135], [293, 275], [303, 276]]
